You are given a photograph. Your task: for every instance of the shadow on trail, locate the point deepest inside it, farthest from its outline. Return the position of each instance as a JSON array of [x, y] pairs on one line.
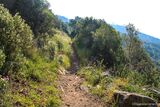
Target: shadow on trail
[[74, 60]]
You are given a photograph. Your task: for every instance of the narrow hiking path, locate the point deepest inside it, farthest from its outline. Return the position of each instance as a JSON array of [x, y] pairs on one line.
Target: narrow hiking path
[[74, 61], [72, 94]]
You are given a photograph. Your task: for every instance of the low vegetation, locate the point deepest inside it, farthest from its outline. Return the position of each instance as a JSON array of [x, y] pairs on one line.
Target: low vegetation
[[33, 47], [29, 64], [104, 85], [128, 66]]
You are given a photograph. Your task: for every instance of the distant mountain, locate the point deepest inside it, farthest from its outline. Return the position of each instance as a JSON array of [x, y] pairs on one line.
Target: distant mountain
[[63, 19], [151, 44], [143, 37]]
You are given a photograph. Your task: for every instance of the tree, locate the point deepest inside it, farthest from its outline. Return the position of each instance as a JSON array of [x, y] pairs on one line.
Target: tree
[[107, 46], [36, 13], [137, 58], [83, 30], [96, 41]]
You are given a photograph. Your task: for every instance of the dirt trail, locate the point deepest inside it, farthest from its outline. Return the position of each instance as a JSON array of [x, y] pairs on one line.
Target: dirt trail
[[72, 94], [74, 61]]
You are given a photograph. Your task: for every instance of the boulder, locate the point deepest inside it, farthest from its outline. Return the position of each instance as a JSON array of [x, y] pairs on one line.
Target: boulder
[[126, 99]]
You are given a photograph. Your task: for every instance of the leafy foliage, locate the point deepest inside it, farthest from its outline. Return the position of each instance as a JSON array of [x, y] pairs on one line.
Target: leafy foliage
[[107, 46], [37, 77], [96, 41], [58, 48], [30, 62], [105, 86], [151, 44], [35, 12], [4, 100], [36, 84], [15, 38], [131, 68], [137, 58], [2, 58], [31, 71]]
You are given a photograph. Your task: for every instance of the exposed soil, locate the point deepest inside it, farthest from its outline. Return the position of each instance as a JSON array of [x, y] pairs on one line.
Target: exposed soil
[[72, 95], [74, 61]]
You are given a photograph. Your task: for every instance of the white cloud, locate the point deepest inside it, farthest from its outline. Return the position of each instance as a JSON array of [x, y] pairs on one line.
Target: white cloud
[[143, 13]]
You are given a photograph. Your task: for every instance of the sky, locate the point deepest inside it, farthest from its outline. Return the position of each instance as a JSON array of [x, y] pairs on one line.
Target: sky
[[144, 14]]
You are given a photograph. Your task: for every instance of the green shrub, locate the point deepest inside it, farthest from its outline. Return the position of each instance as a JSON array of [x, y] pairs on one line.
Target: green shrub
[[64, 61], [54, 102], [62, 42], [4, 101], [34, 68], [2, 58], [15, 38], [105, 86], [150, 78], [56, 45], [106, 46], [3, 86], [37, 79], [83, 55], [96, 40], [57, 49], [35, 75], [92, 74]]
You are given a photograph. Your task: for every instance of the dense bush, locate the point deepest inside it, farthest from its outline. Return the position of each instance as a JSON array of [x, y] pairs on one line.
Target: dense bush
[[106, 46], [58, 48], [2, 58], [3, 86], [4, 101], [92, 74], [105, 86], [96, 40], [36, 13], [31, 71], [38, 74], [131, 69], [36, 83], [15, 38]]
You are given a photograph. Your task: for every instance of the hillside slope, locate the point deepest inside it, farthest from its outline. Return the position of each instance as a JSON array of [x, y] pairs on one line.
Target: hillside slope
[[62, 18], [151, 44]]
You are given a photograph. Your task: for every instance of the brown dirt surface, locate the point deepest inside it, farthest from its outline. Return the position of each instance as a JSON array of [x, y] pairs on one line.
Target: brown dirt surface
[[73, 96], [71, 92]]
